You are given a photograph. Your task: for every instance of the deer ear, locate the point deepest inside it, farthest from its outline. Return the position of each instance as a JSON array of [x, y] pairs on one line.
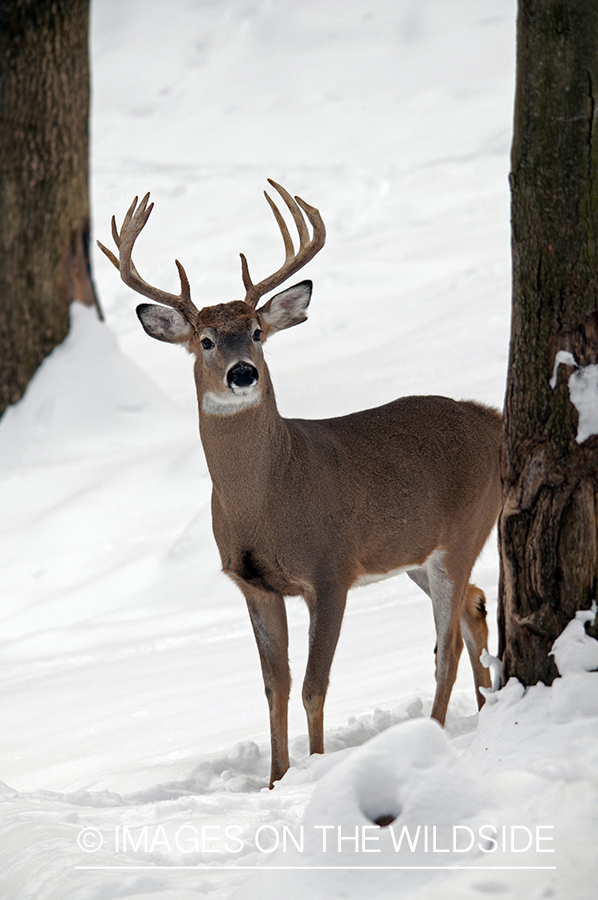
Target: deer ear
[[286, 309], [164, 323]]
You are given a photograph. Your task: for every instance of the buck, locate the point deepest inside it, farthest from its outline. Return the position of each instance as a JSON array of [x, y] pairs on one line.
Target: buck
[[315, 507]]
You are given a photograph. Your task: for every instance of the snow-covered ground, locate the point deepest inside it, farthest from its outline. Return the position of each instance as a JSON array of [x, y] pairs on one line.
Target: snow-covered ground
[[135, 726]]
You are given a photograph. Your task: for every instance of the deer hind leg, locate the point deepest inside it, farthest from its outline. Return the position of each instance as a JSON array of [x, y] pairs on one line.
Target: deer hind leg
[[475, 635], [325, 618], [447, 597], [269, 620]]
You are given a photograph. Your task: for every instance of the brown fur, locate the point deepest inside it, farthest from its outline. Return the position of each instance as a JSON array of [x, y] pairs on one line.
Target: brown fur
[[308, 507]]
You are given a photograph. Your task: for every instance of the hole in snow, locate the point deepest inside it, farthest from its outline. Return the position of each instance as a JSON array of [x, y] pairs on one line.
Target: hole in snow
[[384, 820], [378, 801]]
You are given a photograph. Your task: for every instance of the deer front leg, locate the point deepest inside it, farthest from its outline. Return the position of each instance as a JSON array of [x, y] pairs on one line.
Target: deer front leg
[[325, 618], [269, 620]]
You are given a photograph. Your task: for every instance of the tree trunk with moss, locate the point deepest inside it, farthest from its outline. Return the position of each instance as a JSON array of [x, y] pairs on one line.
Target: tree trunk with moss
[[548, 526], [44, 205]]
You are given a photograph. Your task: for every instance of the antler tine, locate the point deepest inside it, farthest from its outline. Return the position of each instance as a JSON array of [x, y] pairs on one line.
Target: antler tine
[[295, 212], [133, 223], [293, 261], [288, 243]]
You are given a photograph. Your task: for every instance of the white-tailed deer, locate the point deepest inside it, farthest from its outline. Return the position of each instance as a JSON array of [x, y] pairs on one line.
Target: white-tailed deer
[[314, 507]]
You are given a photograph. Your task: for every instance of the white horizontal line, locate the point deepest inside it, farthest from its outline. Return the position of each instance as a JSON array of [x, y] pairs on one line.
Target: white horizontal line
[[316, 868]]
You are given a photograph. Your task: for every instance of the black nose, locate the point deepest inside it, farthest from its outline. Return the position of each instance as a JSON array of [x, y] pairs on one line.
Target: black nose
[[242, 374]]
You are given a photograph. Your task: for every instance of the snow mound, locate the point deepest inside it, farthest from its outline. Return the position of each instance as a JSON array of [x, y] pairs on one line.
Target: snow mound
[[110, 402], [406, 805]]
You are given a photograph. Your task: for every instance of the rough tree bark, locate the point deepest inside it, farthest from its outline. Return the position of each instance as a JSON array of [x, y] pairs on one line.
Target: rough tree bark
[[548, 527], [44, 206]]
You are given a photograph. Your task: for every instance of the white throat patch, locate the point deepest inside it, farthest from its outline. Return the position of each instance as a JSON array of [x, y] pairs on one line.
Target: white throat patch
[[228, 403]]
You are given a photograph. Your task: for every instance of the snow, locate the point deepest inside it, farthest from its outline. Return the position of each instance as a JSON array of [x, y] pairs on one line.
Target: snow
[[583, 393], [135, 726], [562, 358], [574, 650]]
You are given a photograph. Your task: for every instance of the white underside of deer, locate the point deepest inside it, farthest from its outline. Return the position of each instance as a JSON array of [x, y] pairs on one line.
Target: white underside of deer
[[315, 507]]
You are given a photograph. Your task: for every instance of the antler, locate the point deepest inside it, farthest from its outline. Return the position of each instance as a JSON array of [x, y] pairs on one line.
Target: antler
[[294, 261], [132, 225]]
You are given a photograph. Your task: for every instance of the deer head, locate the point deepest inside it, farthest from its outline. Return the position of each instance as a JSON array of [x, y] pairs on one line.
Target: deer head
[[226, 339]]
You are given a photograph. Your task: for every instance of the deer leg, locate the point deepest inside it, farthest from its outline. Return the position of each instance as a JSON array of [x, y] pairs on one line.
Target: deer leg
[[269, 620], [420, 576], [475, 635], [446, 603], [473, 629], [325, 618]]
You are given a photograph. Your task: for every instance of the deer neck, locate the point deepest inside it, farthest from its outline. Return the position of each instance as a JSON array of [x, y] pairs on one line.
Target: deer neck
[[246, 450]]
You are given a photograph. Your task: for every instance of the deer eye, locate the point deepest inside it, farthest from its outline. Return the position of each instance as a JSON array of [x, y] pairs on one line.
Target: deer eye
[[207, 344], [257, 335]]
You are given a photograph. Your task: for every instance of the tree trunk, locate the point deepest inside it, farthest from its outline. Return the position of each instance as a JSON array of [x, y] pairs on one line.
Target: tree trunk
[[548, 526], [44, 206]]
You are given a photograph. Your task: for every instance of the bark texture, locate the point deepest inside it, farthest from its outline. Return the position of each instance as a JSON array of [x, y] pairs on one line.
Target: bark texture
[[44, 205], [548, 526]]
